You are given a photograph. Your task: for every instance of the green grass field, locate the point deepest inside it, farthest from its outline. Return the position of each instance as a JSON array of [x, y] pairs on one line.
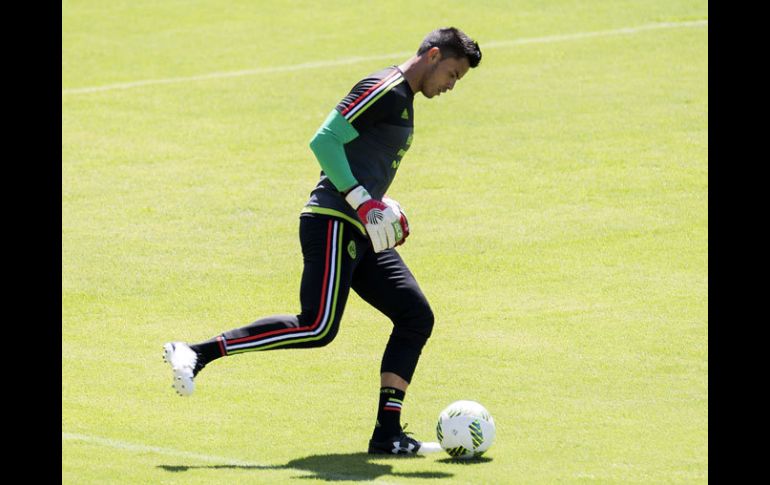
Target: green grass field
[[558, 199]]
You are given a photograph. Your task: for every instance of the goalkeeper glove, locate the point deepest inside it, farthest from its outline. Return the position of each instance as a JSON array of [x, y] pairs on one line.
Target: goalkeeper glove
[[401, 216], [381, 222]]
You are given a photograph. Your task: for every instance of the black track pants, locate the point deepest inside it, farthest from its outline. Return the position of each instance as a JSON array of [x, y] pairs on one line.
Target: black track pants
[[338, 257]]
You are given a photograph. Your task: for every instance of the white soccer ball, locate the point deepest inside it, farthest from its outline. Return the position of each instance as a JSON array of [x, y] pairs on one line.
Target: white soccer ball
[[465, 429]]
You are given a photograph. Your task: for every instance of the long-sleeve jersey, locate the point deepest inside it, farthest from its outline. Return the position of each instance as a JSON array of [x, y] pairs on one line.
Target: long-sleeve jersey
[[362, 142]]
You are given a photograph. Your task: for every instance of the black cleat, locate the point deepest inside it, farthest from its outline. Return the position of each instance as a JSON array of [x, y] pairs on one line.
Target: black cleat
[[402, 444]]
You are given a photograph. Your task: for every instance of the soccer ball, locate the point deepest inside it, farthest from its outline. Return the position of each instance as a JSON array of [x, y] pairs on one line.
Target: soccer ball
[[465, 429]]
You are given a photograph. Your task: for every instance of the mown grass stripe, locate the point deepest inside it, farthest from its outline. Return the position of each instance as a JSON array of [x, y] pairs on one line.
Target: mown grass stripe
[[360, 59]]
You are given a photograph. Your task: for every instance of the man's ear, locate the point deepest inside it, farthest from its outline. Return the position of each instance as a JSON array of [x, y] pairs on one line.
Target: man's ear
[[434, 55]]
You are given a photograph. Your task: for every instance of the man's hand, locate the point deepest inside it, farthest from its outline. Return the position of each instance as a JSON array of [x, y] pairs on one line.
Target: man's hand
[[401, 216], [381, 222]]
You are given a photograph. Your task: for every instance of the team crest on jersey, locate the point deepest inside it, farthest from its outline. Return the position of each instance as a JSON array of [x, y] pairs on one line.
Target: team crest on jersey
[[352, 249], [405, 114]]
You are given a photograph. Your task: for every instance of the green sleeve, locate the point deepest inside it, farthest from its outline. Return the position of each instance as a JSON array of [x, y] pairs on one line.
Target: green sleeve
[[327, 145]]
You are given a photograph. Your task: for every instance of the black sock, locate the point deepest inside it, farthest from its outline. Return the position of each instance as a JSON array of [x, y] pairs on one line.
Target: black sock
[[207, 351], [388, 414]]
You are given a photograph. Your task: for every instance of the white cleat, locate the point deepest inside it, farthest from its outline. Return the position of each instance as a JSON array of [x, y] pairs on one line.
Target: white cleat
[[182, 360], [428, 447]]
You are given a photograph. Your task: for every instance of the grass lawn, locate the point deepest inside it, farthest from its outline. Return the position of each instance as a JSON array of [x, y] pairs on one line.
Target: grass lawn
[[558, 200]]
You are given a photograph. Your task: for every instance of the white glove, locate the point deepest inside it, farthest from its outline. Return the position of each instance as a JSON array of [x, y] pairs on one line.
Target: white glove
[[381, 222], [401, 216]]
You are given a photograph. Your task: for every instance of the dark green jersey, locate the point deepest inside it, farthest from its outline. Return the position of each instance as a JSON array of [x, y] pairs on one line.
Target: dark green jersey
[[374, 125]]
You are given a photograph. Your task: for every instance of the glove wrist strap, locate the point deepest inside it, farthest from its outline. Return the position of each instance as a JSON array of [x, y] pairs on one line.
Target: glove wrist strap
[[357, 196]]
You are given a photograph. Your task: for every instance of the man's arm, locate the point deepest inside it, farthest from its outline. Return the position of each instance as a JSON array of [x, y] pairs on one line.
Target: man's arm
[[328, 147], [367, 103]]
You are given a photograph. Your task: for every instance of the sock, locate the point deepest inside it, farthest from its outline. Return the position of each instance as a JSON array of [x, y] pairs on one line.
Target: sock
[[207, 351], [388, 414]]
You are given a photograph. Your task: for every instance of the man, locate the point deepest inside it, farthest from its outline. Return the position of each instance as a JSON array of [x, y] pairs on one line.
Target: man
[[348, 230]]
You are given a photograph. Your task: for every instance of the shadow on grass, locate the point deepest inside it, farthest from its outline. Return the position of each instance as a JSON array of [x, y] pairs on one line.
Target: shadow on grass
[[355, 467], [470, 461]]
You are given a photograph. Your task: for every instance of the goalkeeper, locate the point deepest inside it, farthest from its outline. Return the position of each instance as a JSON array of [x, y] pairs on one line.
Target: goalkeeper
[[348, 231]]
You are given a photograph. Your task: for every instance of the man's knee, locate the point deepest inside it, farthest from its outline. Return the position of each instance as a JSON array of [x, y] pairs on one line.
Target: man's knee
[[317, 333], [326, 339], [426, 320], [416, 325]]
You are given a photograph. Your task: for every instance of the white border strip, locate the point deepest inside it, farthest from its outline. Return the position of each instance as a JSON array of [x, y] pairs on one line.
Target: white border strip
[[602, 33], [122, 445], [356, 60], [220, 460], [247, 72]]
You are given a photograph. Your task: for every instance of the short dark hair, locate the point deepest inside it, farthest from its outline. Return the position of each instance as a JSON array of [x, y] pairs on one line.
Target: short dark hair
[[452, 42]]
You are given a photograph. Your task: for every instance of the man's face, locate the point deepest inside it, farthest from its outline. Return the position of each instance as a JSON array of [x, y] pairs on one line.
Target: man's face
[[443, 73]]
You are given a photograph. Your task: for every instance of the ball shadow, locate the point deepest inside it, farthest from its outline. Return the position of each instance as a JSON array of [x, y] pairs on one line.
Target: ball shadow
[[468, 461]]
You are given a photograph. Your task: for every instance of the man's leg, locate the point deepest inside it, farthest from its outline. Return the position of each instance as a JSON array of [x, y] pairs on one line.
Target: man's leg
[[328, 269], [384, 281]]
